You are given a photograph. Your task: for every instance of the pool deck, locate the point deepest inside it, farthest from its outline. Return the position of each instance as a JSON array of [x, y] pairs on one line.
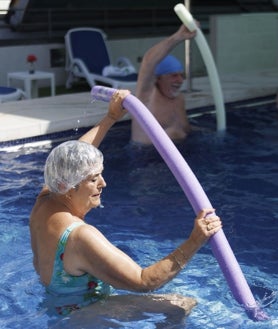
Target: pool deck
[[41, 116]]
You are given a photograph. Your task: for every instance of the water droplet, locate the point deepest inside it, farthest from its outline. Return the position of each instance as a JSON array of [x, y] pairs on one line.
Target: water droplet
[[77, 126]]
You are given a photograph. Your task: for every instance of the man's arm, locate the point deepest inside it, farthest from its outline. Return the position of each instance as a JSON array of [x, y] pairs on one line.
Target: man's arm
[[153, 56]]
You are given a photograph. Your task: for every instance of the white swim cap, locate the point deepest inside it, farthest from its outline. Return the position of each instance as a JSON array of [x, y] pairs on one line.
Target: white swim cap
[[70, 163]]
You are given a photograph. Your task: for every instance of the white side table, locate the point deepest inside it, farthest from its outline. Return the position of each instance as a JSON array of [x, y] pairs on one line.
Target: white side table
[[30, 81]]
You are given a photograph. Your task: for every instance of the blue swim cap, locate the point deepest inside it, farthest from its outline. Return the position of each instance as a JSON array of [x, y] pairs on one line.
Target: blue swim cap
[[170, 64]]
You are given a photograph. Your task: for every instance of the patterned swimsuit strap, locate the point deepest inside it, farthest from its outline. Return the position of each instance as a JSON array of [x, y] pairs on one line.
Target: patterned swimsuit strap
[[67, 232]]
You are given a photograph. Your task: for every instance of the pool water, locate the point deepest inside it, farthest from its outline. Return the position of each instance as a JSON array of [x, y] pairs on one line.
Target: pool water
[[145, 213]]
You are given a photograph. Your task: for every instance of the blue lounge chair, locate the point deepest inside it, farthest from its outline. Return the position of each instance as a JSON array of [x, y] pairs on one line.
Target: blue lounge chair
[[87, 57], [8, 94]]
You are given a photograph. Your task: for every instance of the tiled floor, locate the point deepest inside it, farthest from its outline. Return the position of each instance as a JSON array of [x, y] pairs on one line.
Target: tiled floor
[[40, 116]]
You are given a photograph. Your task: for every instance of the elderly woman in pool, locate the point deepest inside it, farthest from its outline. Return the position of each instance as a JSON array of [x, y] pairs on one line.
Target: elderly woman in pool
[[75, 262]]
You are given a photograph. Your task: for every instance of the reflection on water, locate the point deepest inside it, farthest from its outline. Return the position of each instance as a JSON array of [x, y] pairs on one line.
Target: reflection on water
[[146, 214]]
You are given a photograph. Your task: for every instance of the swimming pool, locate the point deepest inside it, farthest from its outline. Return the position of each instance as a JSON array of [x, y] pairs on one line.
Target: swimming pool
[[145, 213]]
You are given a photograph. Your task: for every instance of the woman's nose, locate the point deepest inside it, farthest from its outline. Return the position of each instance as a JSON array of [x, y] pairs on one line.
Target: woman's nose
[[102, 182]]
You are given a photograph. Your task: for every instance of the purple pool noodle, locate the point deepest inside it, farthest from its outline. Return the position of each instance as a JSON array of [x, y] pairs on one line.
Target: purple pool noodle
[[195, 194]]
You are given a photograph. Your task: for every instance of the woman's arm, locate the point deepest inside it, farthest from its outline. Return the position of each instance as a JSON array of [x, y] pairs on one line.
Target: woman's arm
[[116, 112], [97, 256]]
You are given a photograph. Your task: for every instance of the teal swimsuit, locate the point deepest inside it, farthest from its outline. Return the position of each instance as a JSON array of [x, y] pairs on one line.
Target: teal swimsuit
[[73, 292]]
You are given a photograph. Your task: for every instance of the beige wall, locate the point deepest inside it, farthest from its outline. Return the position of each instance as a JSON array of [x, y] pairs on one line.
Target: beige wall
[[136, 48], [239, 43], [13, 59], [245, 42]]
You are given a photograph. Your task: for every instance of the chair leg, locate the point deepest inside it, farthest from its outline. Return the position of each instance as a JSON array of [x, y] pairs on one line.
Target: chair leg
[[69, 81], [22, 95]]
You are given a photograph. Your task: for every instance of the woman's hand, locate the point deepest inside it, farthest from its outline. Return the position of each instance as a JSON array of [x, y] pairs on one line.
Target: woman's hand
[[116, 110], [206, 224]]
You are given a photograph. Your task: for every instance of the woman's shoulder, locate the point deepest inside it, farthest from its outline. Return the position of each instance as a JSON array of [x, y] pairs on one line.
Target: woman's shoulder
[[44, 192]]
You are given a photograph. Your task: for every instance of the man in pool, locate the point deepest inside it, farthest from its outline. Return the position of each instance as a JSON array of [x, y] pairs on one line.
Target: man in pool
[[158, 87], [75, 262]]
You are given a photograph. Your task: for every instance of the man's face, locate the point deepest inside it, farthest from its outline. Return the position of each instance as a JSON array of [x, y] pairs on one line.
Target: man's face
[[170, 84]]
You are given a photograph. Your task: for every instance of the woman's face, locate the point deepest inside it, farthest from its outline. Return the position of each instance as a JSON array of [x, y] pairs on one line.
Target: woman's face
[[87, 194]]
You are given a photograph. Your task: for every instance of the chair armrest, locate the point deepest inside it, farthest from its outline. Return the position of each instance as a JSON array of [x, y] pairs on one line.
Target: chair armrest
[[77, 62], [123, 62]]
